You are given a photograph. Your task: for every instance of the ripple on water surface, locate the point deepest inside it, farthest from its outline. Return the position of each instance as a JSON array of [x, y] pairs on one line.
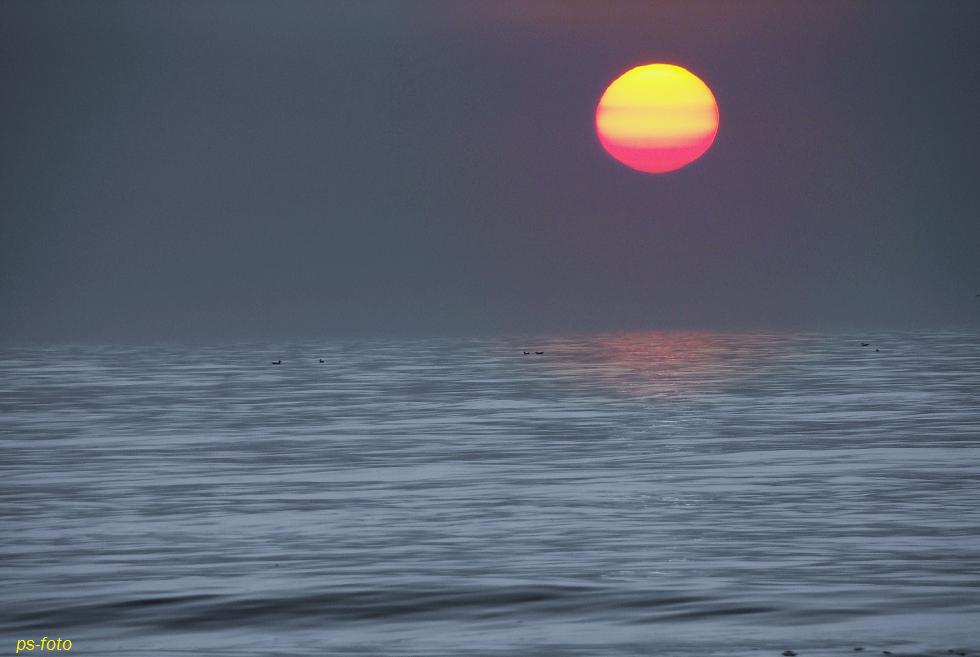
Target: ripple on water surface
[[647, 493]]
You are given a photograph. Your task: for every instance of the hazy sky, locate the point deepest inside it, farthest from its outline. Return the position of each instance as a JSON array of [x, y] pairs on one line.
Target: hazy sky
[[256, 169]]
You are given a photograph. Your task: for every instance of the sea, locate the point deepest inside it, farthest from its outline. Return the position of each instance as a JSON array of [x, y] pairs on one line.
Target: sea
[[618, 494]]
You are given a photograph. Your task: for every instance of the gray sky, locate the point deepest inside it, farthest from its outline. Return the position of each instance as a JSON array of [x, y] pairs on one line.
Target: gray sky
[[265, 169]]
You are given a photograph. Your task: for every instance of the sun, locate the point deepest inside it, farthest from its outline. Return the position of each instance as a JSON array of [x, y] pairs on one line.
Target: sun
[[657, 118]]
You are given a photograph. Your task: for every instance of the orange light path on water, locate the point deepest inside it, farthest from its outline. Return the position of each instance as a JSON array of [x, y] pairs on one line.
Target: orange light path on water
[[657, 118]]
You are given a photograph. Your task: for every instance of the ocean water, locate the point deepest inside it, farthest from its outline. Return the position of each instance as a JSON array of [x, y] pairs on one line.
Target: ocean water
[[619, 494]]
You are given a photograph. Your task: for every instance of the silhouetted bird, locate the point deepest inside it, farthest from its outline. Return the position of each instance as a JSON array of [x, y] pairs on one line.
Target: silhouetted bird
[[539, 352], [865, 344], [277, 362], [527, 353], [877, 350], [321, 360]]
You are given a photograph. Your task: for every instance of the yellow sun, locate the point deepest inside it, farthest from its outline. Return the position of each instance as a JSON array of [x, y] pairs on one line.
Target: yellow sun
[[657, 118]]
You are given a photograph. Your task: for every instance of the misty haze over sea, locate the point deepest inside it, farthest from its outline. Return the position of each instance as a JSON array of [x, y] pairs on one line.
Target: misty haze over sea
[[191, 189], [662, 493]]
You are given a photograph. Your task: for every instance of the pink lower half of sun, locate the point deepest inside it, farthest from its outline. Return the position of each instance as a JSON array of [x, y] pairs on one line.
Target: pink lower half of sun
[[658, 159]]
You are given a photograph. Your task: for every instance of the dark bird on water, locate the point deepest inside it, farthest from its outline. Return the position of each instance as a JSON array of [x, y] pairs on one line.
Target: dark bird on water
[[865, 344], [527, 353], [277, 362], [321, 360], [539, 352]]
